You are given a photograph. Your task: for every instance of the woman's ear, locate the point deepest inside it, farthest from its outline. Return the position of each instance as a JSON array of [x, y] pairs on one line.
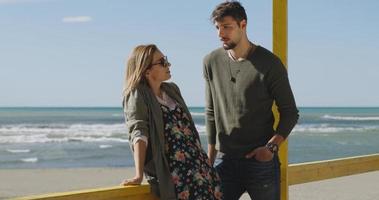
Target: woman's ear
[[147, 74]]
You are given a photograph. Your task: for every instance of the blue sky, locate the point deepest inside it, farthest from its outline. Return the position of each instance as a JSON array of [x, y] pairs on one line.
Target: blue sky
[[73, 53]]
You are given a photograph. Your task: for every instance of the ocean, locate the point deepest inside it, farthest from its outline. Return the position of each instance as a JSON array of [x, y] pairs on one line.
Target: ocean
[[96, 137]]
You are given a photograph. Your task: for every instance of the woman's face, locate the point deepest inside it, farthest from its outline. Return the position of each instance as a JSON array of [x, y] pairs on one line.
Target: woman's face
[[160, 68]]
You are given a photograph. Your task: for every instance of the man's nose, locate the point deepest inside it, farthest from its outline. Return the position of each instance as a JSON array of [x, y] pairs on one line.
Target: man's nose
[[220, 32]]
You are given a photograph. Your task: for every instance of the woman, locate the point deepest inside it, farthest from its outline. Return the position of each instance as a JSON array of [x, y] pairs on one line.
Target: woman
[[162, 133]]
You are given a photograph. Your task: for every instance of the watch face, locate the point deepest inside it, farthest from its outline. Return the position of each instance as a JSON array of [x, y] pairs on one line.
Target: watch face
[[272, 147]]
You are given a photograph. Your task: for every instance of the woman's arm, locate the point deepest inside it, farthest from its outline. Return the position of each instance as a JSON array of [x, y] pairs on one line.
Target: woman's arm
[[139, 160], [136, 117]]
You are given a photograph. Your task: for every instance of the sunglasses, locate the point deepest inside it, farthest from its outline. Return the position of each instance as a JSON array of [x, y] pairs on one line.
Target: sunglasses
[[163, 62]]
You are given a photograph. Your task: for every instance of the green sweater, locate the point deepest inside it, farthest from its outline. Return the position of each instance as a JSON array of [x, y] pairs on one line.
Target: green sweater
[[239, 99]]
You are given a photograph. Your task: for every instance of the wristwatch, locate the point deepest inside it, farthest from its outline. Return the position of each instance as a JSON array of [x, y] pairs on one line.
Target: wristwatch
[[274, 148]]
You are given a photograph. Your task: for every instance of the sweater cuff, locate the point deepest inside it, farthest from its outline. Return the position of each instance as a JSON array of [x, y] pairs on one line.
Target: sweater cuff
[[211, 131], [142, 137], [284, 135]]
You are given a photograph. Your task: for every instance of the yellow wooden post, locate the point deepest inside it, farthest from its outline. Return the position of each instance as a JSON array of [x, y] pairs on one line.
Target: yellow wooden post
[[280, 49]]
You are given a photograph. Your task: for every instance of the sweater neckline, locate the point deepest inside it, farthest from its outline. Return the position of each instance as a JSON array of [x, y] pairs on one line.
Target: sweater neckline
[[249, 55]]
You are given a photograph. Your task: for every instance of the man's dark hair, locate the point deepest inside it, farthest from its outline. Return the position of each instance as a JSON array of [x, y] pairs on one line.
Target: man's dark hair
[[230, 8]]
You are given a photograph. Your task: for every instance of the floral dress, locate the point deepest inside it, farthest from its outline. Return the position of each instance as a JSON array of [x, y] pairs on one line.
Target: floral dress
[[193, 176]]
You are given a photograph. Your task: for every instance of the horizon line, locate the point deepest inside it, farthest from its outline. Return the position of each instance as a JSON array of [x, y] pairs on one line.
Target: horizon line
[[188, 106]]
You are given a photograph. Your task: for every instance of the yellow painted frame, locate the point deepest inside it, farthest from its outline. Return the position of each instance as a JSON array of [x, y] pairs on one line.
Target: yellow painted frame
[[112, 193], [280, 49], [321, 170], [297, 174]]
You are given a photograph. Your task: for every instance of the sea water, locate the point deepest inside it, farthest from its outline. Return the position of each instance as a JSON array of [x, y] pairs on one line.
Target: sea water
[[96, 137]]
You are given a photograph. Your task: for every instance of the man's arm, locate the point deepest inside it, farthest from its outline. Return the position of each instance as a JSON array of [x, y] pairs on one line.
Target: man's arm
[[280, 89], [212, 152], [209, 117], [210, 125], [276, 139]]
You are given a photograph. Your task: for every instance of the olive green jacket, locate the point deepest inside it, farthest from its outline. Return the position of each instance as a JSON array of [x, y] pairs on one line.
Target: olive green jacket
[[143, 116]]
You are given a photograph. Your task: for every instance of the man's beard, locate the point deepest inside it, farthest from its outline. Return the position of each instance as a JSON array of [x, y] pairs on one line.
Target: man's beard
[[232, 45]]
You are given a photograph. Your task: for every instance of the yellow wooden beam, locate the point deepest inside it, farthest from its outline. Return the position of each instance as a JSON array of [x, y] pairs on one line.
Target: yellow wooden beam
[[280, 49], [297, 173], [320, 170], [111, 193]]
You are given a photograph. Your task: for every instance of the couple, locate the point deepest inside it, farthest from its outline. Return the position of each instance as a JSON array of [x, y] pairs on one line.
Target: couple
[[242, 82]]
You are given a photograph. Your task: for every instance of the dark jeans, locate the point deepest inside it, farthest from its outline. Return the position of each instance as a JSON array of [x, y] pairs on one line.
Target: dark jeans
[[260, 179]]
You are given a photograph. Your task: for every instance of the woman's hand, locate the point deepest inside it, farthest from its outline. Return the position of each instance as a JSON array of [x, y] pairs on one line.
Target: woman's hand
[[133, 181]]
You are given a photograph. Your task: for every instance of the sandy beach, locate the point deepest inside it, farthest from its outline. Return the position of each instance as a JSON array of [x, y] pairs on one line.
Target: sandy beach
[[22, 182], [355, 187]]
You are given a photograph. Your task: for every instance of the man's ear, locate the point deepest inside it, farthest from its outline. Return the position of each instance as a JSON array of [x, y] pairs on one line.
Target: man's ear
[[243, 24]]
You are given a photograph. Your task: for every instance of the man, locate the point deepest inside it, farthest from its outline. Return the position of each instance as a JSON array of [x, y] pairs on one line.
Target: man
[[242, 82]]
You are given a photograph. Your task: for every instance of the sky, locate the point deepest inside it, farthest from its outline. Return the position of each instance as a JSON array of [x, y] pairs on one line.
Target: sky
[[73, 52]]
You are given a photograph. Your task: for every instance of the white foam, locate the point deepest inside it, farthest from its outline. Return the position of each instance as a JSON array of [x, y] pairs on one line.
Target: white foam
[[197, 114], [350, 118], [30, 160], [42, 133], [326, 128], [18, 150], [105, 146]]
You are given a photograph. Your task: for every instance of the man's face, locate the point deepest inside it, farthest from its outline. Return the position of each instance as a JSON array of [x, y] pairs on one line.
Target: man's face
[[230, 32]]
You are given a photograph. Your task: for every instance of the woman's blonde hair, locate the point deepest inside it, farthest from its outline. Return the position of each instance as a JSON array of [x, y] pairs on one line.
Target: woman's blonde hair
[[138, 62]]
